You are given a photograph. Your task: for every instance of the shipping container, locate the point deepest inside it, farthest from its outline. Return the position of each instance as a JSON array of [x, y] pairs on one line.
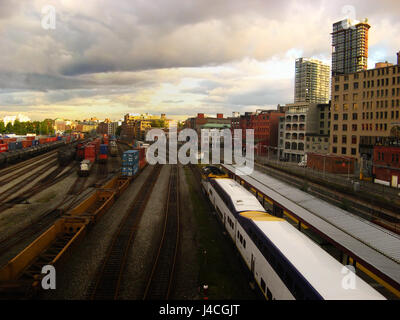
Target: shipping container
[[12, 146], [18, 145], [103, 149], [103, 158], [26, 143], [90, 153], [142, 163]]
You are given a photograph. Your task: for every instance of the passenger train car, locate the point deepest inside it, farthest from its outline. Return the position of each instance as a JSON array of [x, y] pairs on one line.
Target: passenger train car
[[284, 262]]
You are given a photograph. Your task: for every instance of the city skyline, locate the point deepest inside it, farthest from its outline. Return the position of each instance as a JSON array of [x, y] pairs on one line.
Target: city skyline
[[111, 59]]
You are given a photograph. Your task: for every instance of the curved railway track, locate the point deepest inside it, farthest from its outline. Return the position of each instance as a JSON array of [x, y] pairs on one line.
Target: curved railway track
[[15, 188], [26, 170], [46, 182], [159, 284], [78, 185], [43, 222], [26, 162], [33, 229], [107, 282]]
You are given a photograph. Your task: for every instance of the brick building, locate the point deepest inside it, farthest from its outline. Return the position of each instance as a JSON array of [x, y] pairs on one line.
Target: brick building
[[365, 107], [386, 165]]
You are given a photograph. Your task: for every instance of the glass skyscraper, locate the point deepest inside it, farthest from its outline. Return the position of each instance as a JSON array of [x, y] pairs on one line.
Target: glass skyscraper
[[349, 46]]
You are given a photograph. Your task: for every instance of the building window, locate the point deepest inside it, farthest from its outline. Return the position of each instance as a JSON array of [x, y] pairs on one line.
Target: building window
[[344, 150]]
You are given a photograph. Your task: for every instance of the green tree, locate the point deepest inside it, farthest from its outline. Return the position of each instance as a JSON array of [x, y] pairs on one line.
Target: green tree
[[43, 128], [30, 127], [17, 127], [2, 127], [9, 128], [36, 127]]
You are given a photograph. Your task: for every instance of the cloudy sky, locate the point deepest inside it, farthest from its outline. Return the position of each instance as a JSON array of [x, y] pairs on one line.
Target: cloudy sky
[[106, 58]]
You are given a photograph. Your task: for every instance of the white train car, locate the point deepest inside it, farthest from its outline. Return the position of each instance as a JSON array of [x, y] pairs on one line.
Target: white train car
[[285, 263]]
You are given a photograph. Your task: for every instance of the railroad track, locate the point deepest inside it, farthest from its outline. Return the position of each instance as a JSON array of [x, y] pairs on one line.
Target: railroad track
[[43, 184], [30, 231], [107, 282], [10, 191], [358, 206], [78, 185], [27, 162], [161, 278], [26, 170], [102, 171], [43, 222]]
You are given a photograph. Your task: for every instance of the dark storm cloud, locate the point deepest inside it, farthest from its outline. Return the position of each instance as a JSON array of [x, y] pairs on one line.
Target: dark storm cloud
[[39, 82], [103, 48]]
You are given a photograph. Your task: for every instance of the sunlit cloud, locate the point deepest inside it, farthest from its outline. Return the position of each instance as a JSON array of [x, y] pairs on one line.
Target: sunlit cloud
[[107, 58]]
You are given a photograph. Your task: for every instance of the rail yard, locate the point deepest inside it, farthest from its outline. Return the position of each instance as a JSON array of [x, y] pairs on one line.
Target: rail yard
[[116, 227]]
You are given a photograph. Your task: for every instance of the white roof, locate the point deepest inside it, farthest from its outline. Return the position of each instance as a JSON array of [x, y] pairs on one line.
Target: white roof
[[242, 199], [370, 243], [320, 269]]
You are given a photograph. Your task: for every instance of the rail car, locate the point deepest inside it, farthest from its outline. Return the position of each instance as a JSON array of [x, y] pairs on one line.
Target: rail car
[[65, 155], [15, 156], [85, 167], [285, 263], [213, 172], [113, 148]]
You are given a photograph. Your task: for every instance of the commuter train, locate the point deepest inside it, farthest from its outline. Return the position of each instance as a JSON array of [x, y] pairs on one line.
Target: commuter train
[[284, 262]]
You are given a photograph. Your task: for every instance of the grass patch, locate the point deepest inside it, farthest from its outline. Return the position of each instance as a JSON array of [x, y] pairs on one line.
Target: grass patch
[[220, 265]]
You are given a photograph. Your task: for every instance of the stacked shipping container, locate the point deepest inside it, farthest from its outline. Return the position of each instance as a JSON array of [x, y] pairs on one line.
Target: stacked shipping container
[[130, 163], [90, 152], [103, 153], [142, 157]]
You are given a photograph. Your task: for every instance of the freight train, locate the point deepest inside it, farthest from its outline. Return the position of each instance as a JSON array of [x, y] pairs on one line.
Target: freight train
[[65, 155], [284, 262], [15, 156], [13, 151], [89, 153]]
